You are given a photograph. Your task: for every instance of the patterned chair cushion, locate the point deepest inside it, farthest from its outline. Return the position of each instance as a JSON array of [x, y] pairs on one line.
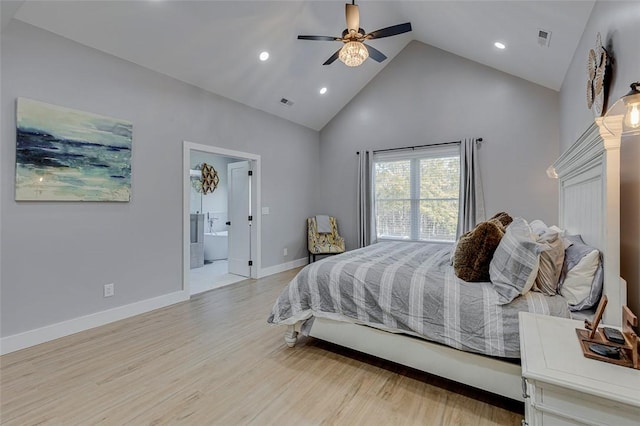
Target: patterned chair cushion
[[324, 243]]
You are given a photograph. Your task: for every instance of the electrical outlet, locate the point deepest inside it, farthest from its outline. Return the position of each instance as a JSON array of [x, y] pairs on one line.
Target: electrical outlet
[[109, 290], [285, 251]]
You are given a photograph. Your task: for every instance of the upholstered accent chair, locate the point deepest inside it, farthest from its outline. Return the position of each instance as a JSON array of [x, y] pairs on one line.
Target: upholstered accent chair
[[323, 243]]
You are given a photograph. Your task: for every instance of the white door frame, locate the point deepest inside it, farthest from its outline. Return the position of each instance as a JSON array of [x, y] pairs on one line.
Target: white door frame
[[254, 159]]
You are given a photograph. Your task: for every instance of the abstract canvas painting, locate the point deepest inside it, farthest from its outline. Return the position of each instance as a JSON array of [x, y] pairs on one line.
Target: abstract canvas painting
[[63, 154]]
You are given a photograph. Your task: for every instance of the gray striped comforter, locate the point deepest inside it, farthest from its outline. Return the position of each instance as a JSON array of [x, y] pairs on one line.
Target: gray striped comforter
[[410, 288]]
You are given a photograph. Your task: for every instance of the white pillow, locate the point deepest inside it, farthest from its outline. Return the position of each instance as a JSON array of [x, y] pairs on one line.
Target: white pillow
[[538, 227], [561, 232], [577, 284]]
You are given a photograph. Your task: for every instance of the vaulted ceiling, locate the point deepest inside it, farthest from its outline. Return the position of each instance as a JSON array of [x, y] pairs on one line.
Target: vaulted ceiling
[[215, 44]]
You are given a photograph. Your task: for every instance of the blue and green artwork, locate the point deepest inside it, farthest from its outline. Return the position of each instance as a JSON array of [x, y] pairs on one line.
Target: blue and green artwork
[[64, 154]]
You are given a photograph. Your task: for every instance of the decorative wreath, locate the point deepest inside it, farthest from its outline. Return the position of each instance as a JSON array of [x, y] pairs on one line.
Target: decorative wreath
[[208, 181], [597, 65]]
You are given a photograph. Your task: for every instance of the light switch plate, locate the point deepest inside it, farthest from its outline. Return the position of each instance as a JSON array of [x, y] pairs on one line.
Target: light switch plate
[[109, 290], [265, 210]]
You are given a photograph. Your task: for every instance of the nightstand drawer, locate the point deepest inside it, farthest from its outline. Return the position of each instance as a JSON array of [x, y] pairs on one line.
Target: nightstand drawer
[[548, 419], [571, 407]]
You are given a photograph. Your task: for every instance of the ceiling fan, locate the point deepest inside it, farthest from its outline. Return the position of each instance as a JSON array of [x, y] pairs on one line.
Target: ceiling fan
[[355, 52]]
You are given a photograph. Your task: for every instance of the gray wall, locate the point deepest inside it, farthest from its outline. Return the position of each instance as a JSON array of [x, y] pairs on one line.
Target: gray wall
[[619, 25], [57, 256], [427, 95]]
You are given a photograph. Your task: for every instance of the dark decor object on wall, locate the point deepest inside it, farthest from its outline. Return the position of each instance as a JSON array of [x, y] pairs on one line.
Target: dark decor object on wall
[[599, 74], [63, 154], [210, 179], [207, 181]]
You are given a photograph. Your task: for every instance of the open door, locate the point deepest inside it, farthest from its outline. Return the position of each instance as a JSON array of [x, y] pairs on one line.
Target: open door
[[239, 213]]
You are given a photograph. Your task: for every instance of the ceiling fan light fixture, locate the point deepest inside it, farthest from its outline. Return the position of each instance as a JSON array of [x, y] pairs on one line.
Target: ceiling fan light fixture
[[353, 53]]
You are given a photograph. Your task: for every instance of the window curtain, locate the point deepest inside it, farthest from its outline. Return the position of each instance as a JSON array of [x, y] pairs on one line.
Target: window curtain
[[366, 226], [471, 209]]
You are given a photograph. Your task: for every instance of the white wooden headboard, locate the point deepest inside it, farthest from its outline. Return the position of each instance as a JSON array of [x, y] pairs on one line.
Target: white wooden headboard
[[589, 185]]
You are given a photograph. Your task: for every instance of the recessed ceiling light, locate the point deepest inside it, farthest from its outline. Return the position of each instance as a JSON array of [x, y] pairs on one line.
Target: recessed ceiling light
[[264, 56], [499, 45], [323, 90]]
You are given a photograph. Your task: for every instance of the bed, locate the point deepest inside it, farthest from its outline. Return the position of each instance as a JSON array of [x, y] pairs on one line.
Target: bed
[[410, 288], [352, 299]]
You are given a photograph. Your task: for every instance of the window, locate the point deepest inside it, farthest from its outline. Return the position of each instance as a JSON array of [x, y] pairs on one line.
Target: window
[[416, 194]]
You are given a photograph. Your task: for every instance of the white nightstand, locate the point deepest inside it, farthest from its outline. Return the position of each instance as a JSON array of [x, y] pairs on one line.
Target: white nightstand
[[562, 387]]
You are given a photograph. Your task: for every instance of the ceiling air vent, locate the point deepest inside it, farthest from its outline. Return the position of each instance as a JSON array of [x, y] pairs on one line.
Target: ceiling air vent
[[544, 37], [286, 102]]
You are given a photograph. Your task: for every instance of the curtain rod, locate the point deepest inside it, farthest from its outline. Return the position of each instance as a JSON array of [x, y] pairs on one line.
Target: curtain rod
[[417, 146]]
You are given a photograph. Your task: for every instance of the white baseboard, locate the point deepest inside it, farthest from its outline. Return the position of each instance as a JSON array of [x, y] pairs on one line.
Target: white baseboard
[[264, 272], [65, 328], [54, 331]]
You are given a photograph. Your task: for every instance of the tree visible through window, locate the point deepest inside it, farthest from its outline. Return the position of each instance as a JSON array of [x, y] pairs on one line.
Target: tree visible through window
[[417, 197]]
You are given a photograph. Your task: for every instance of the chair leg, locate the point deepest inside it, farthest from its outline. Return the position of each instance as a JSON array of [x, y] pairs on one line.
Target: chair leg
[[309, 256], [314, 257]]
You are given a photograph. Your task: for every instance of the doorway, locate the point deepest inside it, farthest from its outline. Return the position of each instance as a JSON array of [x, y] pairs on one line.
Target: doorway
[[220, 228]]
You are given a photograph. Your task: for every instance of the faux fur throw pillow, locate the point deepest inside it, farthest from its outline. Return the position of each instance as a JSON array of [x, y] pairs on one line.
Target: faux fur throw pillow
[[503, 218], [474, 250]]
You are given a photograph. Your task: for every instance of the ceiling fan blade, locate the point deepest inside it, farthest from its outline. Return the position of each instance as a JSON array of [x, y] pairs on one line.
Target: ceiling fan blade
[[353, 17], [390, 31], [375, 54], [318, 38], [332, 58]]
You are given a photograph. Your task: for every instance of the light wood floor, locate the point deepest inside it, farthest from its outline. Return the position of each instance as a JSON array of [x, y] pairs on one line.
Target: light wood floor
[[215, 360]]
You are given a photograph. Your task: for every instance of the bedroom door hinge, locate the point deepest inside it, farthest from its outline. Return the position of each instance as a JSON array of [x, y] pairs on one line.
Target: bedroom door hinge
[[250, 218], [250, 172], [251, 263]]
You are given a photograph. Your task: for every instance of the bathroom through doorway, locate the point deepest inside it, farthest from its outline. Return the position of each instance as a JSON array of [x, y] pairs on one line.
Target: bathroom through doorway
[[221, 190]]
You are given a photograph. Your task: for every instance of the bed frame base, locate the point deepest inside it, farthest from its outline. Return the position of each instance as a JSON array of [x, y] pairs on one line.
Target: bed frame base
[[479, 371], [291, 336]]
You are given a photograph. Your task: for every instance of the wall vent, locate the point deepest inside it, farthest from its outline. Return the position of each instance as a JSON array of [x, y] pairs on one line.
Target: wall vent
[[286, 102], [544, 37]]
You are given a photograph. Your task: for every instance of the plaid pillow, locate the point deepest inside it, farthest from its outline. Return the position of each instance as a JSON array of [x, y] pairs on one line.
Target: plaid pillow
[[514, 266]]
